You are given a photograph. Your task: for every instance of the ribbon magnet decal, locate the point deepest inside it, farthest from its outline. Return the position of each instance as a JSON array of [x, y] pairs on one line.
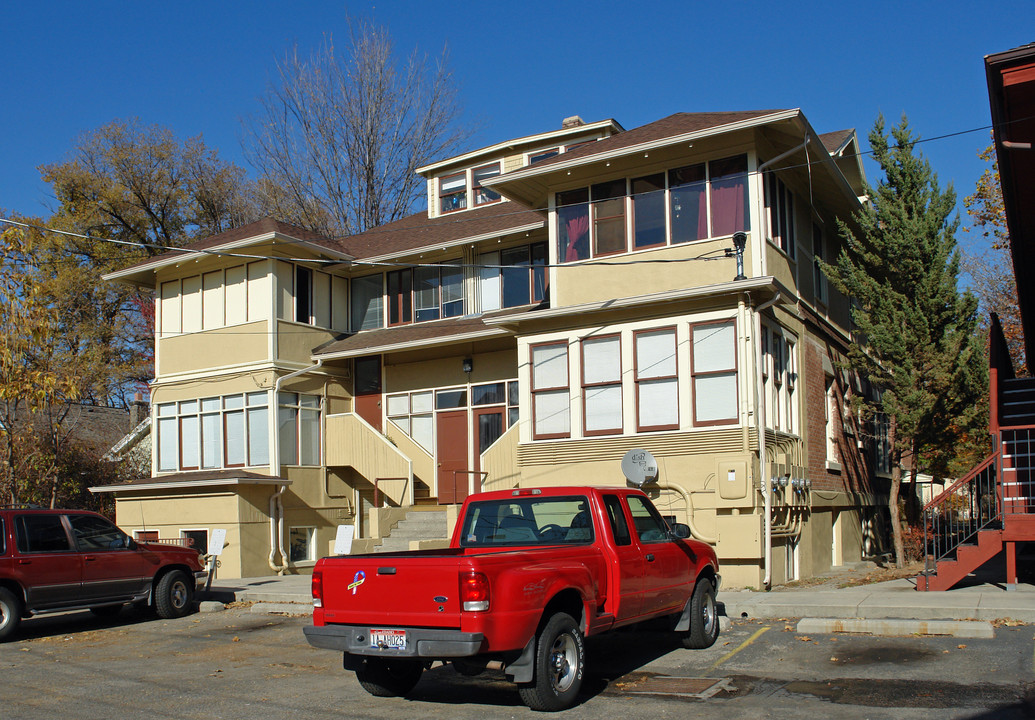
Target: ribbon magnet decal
[[359, 579]]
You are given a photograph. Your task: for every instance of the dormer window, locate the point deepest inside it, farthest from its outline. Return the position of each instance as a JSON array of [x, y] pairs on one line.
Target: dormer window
[[541, 155], [484, 195], [452, 193]]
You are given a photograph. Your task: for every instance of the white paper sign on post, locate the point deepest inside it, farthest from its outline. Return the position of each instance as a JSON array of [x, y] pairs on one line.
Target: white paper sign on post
[[216, 541], [343, 540]]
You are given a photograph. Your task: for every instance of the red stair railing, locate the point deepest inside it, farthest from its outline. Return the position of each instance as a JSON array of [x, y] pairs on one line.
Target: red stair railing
[[970, 504]]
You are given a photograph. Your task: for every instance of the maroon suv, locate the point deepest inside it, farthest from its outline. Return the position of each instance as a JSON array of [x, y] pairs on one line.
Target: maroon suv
[[55, 560]]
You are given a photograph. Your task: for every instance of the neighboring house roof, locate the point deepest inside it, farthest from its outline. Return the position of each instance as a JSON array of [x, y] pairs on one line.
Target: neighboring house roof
[[418, 231], [1011, 93], [203, 478], [129, 441], [94, 427]]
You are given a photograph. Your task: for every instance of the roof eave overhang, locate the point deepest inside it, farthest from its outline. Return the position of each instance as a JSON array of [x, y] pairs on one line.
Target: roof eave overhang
[[459, 242], [405, 346], [529, 140], [764, 288], [143, 275], [525, 185], [189, 484]]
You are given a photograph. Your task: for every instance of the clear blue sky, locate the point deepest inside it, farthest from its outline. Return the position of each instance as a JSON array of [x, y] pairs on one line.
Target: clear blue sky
[[199, 67]]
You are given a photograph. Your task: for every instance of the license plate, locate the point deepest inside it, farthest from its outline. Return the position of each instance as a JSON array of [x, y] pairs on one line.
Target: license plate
[[387, 639]]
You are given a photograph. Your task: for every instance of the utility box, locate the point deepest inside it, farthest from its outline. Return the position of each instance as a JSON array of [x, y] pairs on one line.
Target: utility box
[[733, 480]]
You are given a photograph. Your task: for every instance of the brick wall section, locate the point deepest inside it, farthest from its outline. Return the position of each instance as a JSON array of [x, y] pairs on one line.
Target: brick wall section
[[855, 472]]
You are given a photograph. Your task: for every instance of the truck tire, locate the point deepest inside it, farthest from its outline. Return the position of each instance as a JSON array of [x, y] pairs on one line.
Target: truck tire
[[704, 617], [10, 613], [560, 659], [389, 678], [174, 595]]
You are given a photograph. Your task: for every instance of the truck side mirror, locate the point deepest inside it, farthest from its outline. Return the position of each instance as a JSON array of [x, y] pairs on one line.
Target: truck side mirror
[[681, 531]]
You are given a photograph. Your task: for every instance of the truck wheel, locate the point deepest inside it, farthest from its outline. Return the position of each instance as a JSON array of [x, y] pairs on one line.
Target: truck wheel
[[174, 596], [389, 678], [560, 657], [704, 617], [10, 613]]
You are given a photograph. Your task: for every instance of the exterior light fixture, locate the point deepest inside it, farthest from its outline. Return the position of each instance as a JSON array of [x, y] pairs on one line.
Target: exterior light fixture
[[739, 243], [468, 365]]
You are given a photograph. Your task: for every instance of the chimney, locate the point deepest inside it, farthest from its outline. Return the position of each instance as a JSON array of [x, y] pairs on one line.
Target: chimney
[[137, 410], [572, 122]]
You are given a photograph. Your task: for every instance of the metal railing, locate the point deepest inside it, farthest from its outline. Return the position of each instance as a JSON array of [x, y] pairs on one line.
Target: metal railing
[[970, 504], [1018, 471]]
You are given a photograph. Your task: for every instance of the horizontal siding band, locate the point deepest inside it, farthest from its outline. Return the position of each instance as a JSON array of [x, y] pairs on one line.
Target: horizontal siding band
[[727, 440]]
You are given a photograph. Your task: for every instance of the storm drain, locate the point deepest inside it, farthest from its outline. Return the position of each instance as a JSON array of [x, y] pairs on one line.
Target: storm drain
[[687, 687]]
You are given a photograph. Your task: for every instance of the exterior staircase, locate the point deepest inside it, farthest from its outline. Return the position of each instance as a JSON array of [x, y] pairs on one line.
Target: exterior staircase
[[992, 508], [426, 528]]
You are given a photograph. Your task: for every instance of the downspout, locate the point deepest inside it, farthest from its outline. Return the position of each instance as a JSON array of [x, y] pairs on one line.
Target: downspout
[[276, 499], [767, 491]]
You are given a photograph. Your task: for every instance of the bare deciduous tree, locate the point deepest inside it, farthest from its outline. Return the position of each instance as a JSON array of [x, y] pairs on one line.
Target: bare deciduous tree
[[338, 138]]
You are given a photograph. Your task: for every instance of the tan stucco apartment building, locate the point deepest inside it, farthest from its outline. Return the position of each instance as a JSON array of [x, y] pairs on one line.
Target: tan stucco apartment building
[[566, 297]]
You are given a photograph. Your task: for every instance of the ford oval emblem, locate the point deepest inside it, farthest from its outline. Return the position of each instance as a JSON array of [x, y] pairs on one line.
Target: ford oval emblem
[[440, 599]]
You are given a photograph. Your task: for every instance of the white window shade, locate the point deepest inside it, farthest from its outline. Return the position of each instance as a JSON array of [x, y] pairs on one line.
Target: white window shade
[[658, 403], [715, 398], [551, 413], [601, 360], [656, 354], [454, 183], [603, 408], [550, 366], [489, 284], [714, 347]]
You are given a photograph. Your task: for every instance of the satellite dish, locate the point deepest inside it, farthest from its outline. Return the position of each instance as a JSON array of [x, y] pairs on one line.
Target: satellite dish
[[639, 467]]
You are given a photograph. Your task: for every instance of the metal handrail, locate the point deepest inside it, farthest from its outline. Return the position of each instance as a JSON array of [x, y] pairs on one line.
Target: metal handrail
[[969, 505]]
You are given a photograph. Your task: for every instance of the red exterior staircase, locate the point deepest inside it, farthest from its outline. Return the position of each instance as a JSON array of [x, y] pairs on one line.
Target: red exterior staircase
[[992, 508]]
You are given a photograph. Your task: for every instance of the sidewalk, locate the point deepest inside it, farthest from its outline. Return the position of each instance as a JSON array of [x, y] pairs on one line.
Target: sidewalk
[[937, 612]]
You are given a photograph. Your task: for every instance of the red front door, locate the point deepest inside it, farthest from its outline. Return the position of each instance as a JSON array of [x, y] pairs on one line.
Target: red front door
[[453, 475], [368, 390]]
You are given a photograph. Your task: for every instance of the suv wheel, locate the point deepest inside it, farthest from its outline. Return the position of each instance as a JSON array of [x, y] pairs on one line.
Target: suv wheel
[[10, 613], [174, 595]]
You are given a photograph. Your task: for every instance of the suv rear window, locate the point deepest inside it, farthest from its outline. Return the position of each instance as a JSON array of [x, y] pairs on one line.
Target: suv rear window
[[40, 533]]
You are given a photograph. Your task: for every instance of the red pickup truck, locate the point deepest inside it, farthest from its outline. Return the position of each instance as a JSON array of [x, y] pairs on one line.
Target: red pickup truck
[[529, 573]]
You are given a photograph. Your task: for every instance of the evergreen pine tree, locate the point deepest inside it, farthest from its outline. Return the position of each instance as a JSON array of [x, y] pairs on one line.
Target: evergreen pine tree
[[915, 331]]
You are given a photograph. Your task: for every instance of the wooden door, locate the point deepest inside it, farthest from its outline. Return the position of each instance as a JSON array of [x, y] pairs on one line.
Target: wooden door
[[367, 385], [451, 449]]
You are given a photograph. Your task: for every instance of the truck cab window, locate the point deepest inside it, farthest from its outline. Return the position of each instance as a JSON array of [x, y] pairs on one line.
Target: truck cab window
[[650, 526], [616, 519]]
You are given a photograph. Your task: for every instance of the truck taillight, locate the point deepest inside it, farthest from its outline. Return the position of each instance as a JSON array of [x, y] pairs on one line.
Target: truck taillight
[[317, 588], [474, 592]]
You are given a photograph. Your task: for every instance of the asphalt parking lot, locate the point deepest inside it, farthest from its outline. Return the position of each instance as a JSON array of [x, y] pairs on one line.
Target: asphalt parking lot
[[240, 664]]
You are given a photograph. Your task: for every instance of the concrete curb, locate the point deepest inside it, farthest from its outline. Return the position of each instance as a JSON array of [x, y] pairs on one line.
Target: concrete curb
[[282, 608], [890, 627]]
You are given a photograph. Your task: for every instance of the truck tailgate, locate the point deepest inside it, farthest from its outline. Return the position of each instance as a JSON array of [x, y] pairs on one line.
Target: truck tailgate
[[402, 590]]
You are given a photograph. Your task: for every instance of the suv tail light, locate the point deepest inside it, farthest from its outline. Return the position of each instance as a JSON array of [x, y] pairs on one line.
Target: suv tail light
[[474, 592], [317, 588]]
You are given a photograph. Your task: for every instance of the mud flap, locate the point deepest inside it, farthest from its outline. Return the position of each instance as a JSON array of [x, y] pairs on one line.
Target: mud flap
[[522, 670], [683, 623]]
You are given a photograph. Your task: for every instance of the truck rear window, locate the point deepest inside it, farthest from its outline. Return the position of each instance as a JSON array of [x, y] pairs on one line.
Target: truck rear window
[[528, 521]]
